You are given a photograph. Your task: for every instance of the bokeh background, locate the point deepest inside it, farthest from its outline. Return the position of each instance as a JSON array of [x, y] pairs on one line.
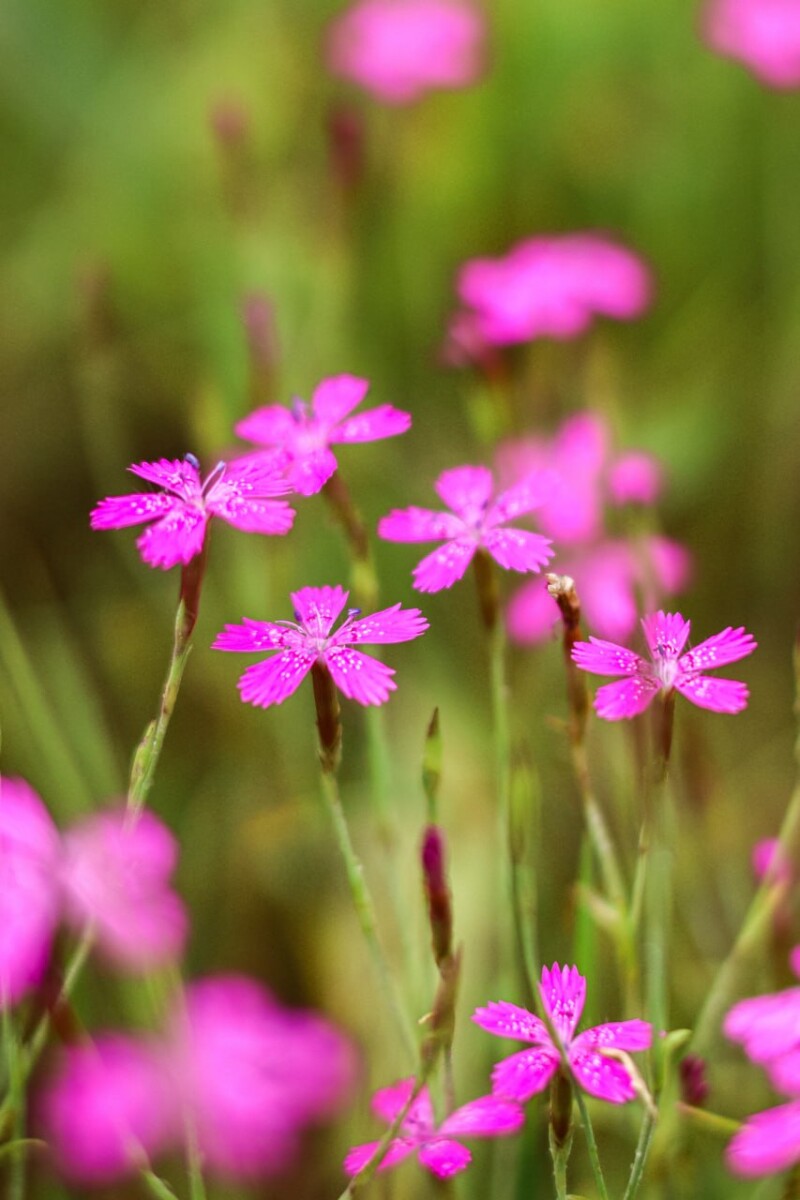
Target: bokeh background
[[178, 246]]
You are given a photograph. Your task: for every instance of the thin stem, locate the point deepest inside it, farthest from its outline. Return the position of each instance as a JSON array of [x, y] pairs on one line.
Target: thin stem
[[156, 1186], [365, 908], [16, 1096], [148, 752], [640, 1158], [560, 1157], [591, 1145]]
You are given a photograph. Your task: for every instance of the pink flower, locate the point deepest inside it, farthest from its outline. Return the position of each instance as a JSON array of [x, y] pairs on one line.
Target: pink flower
[[115, 874], [553, 287], [763, 34], [252, 1074], [304, 436], [609, 577], [635, 478], [110, 1107], [476, 521], [311, 641], [590, 1057], [769, 858], [767, 1142], [400, 49], [239, 492], [768, 1027], [29, 851], [436, 1147], [666, 635]]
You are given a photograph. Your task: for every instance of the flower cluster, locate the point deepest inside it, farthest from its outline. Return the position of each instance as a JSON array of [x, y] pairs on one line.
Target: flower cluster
[[110, 874], [400, 49], [768, 1027], [586, 477], [244, 1073]]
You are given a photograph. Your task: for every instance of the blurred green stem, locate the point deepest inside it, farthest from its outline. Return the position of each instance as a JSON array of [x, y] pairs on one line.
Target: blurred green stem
[[640, 1157], [750, 939], [591, 1145], [365, 908], [16, 1098]]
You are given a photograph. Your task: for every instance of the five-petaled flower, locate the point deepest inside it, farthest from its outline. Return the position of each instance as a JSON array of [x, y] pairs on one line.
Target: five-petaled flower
[[304, 435], [436, 1147], [475, 522], [311, 641], [595, 1058], [240, 492], [666, 635]]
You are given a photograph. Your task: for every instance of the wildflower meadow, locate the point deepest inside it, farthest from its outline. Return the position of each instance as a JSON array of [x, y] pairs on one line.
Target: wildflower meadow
[[399, 653]]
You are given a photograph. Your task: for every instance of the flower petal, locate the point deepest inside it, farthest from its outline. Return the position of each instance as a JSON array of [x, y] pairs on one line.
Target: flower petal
[[509, 1021], [666, 634], [489, 1116], [602, 1076], [308, 473], [767, 1142], [445, 566], [116, 512], [523, 497], [518, 550], [316, 608], [382, 422], [270, 682], [619, 1035], [336, 396], [606, 658], [532, 613], [176, 538], [258, 636], [767, 1026], [253, 514], [525, 1074], [726, 647], [626, 698], [393, 624], [358, 676], [419, 525], [444, 1157], [178, 475], [563, 991], [467, 490], [389, 1101], [719, 695], [359, 1156], [272, 425]]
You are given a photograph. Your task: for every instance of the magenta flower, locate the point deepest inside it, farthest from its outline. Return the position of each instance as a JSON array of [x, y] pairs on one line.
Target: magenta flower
[[475, 522], [436, 1147], [591, 1057], [240, 492], [768, 858], [668, 669], [110, 1107], [29, 855], [253, 1074], [115, 875], [400, 49], [311, 641], [304, 436], [553, 287], [767, 1142], [763, 34]]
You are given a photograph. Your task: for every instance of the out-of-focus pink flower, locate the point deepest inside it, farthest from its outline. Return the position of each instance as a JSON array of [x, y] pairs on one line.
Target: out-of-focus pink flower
[[476, 521], [311, 641], [304, 435], [609, 577], [767, 1142], [635, 478], [769, 857], [252, 1074], [553, 287], [768, 1027], [400, 49], [241, 493], [436, 1146], [116, 880], [110, 1107], [29, 854], [589, 1056], [763, 34], [666, 635]]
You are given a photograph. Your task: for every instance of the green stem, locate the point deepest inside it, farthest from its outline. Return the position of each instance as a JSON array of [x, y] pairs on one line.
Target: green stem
[[156, 1186], [16, 1096], [148, 752], [365, 908], [560, 1157], [368, 1170], [640, 1158], [591, 1145]]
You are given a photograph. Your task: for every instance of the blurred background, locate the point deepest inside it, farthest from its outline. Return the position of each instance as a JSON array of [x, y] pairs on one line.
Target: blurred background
[[198, 218]]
